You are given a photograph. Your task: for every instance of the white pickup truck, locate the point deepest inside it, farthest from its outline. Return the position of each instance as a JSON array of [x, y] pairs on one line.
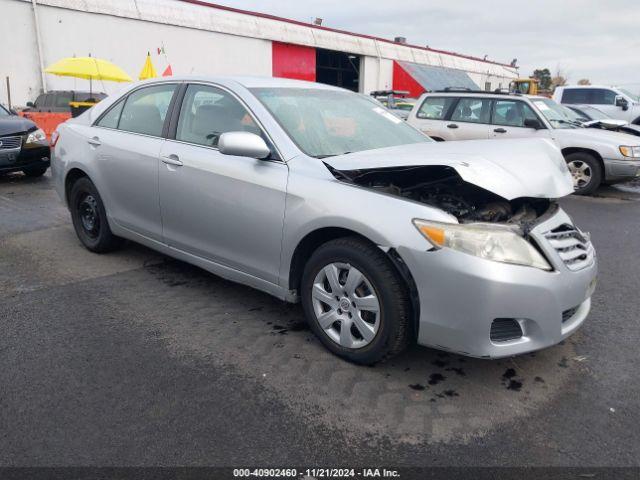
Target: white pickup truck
[[615, 102]]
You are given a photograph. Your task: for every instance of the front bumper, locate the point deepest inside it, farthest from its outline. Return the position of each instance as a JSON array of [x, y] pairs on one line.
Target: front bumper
[[621, 170], [28, 156], [461, 295]]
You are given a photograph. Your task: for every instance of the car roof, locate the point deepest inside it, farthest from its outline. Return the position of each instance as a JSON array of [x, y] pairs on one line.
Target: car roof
[[481, 93], [247, 81]]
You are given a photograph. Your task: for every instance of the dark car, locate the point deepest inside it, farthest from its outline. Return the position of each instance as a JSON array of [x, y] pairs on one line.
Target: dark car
[[58, 101], [23, 146]]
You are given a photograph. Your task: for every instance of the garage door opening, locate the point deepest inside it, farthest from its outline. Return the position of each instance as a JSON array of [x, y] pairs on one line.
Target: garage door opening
[[338, 68]]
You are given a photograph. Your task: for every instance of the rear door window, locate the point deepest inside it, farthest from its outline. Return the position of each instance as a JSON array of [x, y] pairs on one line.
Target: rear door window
[[145, 110], [112, 117], [435, 108], [472, 110]]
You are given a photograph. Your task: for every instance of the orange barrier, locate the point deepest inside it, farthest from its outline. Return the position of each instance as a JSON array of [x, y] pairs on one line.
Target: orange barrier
[[46, 121]]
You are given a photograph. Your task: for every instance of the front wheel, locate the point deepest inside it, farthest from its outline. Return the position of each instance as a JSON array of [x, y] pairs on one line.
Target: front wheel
[[90, 218], [355, 301], [585, 171]]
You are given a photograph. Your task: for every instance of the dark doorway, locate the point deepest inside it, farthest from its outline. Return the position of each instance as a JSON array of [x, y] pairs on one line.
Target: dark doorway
[[338, 68]]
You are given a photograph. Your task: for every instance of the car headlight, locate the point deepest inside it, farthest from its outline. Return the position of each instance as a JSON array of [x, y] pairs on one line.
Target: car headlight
[[633, 152], [499, 243], [37, 136]]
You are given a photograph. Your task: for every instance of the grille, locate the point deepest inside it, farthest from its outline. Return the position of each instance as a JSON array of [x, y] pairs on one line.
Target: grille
[[10, 143], [567, 314], [573, 247], [504, 329]]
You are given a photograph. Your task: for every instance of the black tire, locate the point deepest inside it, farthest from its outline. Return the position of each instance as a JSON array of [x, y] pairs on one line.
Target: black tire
[[35, 171], [579, 158], [90, 218], [394, 332]]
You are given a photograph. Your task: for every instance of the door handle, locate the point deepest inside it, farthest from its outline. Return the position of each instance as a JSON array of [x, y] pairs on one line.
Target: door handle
[[452, 125], [499, 130], [95, 141], [172, 160]]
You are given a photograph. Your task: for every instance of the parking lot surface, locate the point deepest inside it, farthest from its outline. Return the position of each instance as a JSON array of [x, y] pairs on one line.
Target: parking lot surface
[[133, 358]]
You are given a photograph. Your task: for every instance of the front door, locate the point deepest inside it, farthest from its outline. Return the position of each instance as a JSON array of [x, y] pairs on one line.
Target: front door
[[224, 208], [508, 120]]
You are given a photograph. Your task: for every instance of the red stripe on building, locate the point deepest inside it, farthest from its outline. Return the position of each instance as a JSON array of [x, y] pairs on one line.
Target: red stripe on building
[[294, 61], [403, 81]]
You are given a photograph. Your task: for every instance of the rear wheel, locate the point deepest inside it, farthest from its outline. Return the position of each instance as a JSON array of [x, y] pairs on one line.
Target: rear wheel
[[355, 301], [90, 218], [585, 171], [35, 171]]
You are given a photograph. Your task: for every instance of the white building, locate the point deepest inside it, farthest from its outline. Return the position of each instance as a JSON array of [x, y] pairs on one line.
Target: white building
[[200, 38]]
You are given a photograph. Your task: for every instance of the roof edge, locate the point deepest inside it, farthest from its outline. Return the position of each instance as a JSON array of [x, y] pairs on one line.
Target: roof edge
[[336, 30]]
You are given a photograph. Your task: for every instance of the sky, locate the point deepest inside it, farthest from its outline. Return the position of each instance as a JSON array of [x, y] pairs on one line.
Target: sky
[[594, 39]]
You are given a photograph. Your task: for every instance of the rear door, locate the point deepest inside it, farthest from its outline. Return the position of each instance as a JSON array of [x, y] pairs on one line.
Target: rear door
[[126, 142], [508, 120], [224, 208], [469, 119], [430, 117]]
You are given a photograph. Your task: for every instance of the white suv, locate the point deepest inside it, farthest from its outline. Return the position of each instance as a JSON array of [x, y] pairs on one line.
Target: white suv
[[593, 156], [615, 102]]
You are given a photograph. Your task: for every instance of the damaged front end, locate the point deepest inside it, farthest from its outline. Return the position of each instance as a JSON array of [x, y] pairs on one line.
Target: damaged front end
[[442, 187]]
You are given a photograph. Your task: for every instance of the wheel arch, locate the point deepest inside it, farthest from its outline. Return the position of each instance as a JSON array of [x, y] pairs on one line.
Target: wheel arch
[[594, 153], [313, 240], [72, 176]]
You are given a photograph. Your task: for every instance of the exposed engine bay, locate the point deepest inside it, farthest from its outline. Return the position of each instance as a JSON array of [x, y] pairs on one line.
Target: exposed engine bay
[[443, 188]]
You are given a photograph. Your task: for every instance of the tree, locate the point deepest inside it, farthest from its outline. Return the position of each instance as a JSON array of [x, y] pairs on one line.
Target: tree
[[543, 75], [558, 81], [584, 81]]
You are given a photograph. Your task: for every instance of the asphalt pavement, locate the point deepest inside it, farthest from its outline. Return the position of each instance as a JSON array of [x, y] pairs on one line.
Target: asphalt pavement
[[133, 358]]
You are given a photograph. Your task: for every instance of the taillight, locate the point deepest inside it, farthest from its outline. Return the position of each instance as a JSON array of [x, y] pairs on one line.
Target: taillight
[[54, 138]]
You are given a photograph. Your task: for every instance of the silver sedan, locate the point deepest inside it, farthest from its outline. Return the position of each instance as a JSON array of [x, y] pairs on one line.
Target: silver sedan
[[316, 194]]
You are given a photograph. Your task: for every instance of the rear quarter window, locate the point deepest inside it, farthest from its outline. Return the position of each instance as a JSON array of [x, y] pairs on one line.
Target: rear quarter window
[[435, 108]]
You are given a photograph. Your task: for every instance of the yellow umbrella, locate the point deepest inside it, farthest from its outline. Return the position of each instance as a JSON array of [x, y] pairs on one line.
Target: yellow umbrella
[[148, 71], [90, 69]]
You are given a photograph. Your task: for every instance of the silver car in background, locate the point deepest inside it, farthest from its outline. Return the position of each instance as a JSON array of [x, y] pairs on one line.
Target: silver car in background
[[316, 194]]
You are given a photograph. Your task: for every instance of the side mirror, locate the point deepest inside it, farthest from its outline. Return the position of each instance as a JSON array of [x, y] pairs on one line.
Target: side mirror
[[31, 105], [243, 144], [622, 102], [533, 123]]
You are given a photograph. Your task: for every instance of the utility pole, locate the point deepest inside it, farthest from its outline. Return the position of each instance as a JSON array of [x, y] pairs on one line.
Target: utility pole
[[9, 93], [36, 22]]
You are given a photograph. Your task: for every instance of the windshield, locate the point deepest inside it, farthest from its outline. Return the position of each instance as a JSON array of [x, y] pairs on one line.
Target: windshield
[[594, 113], [633, 96], [324, 123], [3, 112], [556, 114]]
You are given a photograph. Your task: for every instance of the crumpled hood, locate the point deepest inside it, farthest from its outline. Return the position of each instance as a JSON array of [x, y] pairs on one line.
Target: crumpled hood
[[603, 137], [14, 124], [509, 168]]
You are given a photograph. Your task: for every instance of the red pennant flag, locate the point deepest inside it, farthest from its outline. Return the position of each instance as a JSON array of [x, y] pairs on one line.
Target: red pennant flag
[[159, 50], [167, 72]]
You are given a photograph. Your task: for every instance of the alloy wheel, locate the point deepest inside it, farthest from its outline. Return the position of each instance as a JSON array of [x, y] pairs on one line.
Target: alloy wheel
[[346, 305], [581, 173]]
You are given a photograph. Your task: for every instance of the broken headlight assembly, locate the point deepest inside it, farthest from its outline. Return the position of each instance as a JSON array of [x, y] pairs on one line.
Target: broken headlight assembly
[[499, 243]]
